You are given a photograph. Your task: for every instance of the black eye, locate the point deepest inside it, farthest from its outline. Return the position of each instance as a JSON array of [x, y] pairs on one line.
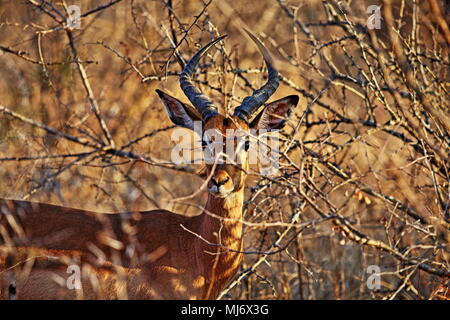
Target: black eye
[[247, 145]]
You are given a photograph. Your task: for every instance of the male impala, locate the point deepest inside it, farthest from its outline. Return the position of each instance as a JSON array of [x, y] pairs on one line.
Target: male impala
[[178, 257]]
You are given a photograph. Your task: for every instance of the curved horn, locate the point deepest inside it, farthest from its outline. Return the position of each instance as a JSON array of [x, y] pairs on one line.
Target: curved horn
[[251, 103], [199, 100]]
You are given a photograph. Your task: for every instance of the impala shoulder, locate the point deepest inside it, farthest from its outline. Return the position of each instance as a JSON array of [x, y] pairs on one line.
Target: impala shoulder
[[162, 220]]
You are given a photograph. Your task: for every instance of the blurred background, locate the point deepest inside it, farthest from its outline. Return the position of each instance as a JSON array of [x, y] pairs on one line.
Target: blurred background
[[368, 143]]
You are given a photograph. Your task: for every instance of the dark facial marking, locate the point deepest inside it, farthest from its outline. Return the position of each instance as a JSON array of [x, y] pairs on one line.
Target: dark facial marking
[[12, 292]]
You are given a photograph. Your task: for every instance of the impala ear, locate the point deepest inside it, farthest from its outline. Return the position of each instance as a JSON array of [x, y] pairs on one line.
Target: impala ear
[[275, 114], [180, 113]]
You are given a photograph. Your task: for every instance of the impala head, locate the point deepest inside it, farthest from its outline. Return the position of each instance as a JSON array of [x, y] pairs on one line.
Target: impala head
[[229, 169]]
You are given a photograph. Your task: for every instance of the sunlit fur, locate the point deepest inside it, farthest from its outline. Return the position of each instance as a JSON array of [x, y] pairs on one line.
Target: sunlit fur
[[181, 264]]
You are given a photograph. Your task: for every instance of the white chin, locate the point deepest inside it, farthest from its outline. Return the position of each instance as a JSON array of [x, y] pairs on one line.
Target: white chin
[[218, 194]]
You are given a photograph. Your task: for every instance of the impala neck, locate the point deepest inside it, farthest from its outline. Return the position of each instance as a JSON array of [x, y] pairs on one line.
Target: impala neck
[[221, 223]]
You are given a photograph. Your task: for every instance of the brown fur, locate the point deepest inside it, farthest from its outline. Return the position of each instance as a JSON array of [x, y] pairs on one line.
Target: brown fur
[[173, 256], [179, 264]]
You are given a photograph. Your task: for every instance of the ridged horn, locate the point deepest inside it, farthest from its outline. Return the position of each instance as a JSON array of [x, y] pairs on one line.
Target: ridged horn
[[252, 103], [199, 100]]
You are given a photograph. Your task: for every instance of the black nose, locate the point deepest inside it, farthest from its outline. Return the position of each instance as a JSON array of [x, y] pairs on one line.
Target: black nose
[[219, 183]]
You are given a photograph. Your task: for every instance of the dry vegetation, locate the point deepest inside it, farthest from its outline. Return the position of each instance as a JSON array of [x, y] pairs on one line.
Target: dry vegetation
[[364, 176]]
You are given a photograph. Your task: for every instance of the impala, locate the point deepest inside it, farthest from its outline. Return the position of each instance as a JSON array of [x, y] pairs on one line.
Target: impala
[[179, 257]]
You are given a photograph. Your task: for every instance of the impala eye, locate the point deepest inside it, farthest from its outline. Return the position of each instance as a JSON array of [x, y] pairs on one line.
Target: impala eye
[[247, 145]]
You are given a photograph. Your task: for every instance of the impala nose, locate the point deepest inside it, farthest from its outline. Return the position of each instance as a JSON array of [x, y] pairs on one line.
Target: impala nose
[[219, 182]]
